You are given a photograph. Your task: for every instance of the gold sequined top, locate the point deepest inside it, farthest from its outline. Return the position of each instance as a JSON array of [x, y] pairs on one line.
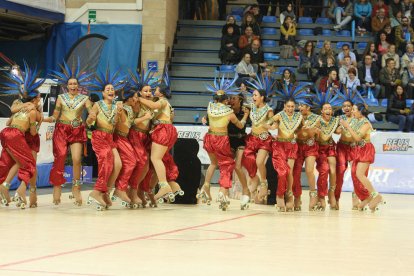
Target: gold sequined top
[[288, 124], [346, 135], [218, 115], [20, 120], [166, 112], [144, 125], [259, 117], [356, 126], [106, 116], [327, 128], [72, 108], [124, 126]]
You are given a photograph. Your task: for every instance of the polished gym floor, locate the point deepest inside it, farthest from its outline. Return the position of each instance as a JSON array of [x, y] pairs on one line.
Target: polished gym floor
[[203, 240]]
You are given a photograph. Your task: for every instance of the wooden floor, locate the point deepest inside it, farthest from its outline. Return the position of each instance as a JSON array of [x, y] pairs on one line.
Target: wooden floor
[[203, 240]]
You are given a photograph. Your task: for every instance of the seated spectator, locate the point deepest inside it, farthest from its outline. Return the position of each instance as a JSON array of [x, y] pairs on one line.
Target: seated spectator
[[324, 69], [287, 32], [389, 79], [403, 34], [231, 21], [341, 13], [372, 51], [245, 70], [249, 21], [381, 5], [343, 70], [255, 10], [397, 111], [395, 11], [379, 21], [308, 61], [408, 80], [288, 79], [408, 57], [247, 39], [396, 20], [390, 33], [229, 51], [391, 54], [288, 12], [369, 75], [330, 82], [256, 56], [362, 12], [325, 52], [351, 82], [382, 44], [406, 8], [346, 51]]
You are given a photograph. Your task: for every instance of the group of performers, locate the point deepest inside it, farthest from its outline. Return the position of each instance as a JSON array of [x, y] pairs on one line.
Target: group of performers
[[303, 138], [132, 137]]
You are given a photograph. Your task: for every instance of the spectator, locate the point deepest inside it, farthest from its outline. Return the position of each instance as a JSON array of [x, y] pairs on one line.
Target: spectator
[[408, 80], [406, 8], [351, 82], [288, 79], [324, 69], [245, 70], [330, 82], [229, 52], [397, 111], [288, 12], [381, 5], [308, 61], [391, 54], [325, 52], [343, 70], [264, 6], [288, 32], [390, 32], [379, 21], [389, 79], [362, 12], [369, 75], [372, 51], [341, 12], [403, 34], [256, 56], [408, 57], [396, 19], [222, 7], [247, 39], [394, 8], [250, 21], [383, 44], [255, 10], [231, 21], [346, 52]]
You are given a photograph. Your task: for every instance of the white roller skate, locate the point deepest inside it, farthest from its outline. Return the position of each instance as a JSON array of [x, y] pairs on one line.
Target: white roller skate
[[94, 198], [164, 193], [204, 194], [313, 201], [376, 201], [176, 189], [76, 192], [223, 201], [4, 194], [20, 201], [153, 201], [125, 201], [244, 202]]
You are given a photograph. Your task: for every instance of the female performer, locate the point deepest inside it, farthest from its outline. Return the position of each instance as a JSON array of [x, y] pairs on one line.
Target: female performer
[[69, 130]]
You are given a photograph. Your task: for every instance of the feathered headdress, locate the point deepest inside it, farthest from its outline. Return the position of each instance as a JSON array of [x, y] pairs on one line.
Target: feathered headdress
[[351, 95], [166, 80], [319, 99], [223, 85], [299, 93], [100, 80], [71, 72], [26, 85], [138, 80], [265, 83]]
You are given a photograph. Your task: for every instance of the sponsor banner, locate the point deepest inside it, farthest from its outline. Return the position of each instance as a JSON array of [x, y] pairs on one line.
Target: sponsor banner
[[86, 174], [48, 5]]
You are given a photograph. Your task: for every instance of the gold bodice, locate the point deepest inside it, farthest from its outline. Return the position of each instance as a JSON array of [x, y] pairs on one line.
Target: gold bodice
[[20, 120], [346, 135], [356, 126], [106, 115], [144, 125], [166, 112], [124, 126], [327, 128], [218, 115], [72, 108], [259, 117], [289, 124]]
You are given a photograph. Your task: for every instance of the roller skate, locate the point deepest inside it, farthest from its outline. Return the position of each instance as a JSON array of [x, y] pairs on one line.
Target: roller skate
[[153, 201], [4, 194], [355, 202], [20, 196], [164, 193], [289, 201], [107, 199], [298, 204], [376, 200], [280, 204], [57, 192], [136, 201], [321, 204], [176, 189], [204, 194], [363, 205], [313, 201], [76, 192], [223, 201], [97, 198], [263, 191], [32, 198], [244, 202], [331, 198], [125, 200], [141, 197]]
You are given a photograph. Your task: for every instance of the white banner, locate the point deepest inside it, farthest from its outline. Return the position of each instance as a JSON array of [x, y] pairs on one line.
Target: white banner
[[48, 5]]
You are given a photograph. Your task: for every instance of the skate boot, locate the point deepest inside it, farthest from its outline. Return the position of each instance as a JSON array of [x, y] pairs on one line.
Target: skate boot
[[176, 189], [223, 201], [376, 200], [244, 202], [107, 199], [280, 204], [289, 201], [135, 200], [57, 192], [298, 204], [153, 201], [20, 196], [76, 192], [331, 198], [164, 193], [4, 194], [363, 205], [355, 201], [321, 204], [97, 198], [32, 198], [313, 201], [125, 200], [141, 196], [204, 194], [263, 191]]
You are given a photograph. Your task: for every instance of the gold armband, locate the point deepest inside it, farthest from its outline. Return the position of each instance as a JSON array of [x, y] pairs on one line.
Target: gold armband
[[58, 108], [32, 124]]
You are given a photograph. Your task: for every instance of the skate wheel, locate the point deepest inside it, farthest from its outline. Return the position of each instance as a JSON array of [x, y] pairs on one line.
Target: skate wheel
[[113, 198], [23, 206], [181, 193], [88, 202], [4, 201], [71, 197], [241, 207], [135, 206], [160, 200], [172, 199], [124, 204], [208, 202], [99, 208], [171, 196], [198, 196]]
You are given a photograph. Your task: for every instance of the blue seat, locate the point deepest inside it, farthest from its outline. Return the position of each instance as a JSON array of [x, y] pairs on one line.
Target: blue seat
[[340, 44], [362, 45], [343, 33], [409, 103], [323, 21], [269, 43], [237, 17], [269, 19], [306, 32], [271, 56], [269, 31], [326, 32], [305, 20], [384, 102], [239, 11], [281, 69], [227, 68], [372, 102], [319, 45]]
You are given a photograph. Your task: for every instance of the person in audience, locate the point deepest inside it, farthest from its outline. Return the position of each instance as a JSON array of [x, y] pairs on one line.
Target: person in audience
[[256, 56], [288, 32], [372, 51], [351, 81], [325, 52], [408, 80], [288, 79], [229, 51], [390, 33], [362, 12], [379, 21], [397, 111], [389, 78], [250, 21], [394, 9], [341, 12], [380, 5], [396, 20], [245, 70], [346, 51], [403, 34], [343, 70], [330, 82], [406, 8], [369, 75], [308, 61], [288, 12], [222, 5], [231, 21], [391, 54], [408, 57], [247, 39], [382, 44], [255, 10], [324, 69]]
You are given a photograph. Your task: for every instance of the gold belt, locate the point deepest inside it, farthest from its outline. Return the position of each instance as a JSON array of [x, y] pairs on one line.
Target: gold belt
[[217, 133], [105, 130], [121, 133], [158, 122], [345, 142], [309, 142], [290, 140], [18, 127], [325, 143], [146, 131], [74, 123], [361, 143], [263, 136]]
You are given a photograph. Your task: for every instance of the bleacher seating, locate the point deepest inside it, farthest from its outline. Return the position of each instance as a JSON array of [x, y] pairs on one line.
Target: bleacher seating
[[323, 21], [269, 19], [326, 32], [305, 20], [271, 56], [362, 45], [269, 43], [306, 32], [269, 31], [345, 33]]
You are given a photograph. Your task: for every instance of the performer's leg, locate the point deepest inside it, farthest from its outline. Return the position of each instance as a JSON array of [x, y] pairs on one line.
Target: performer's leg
[[332, 182], [322, 166], [33, 188], [240, 173], [341, 166], [309, 170], [8, 170], [76, 150], [157, 153], [261, 167]]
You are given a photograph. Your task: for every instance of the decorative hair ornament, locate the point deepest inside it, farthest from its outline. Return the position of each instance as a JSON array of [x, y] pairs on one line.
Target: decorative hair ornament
[[265, 83], [326, 98], [26, 85], [222, 86], [299, 93], [351, 95], [74, 72], [137, 80], [100, 80]]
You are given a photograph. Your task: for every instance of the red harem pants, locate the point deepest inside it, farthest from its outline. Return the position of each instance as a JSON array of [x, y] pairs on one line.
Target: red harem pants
[[344, 154], [63, 136], [253, 144], [102, 144], [304, 151], [129, 161], [141, 144], [166, 135], [365, 154], [322, 166], [13, 140], [33, 141], [220, 147], [279, 160]]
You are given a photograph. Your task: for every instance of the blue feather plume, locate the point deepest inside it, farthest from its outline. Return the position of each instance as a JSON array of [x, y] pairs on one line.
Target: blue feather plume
[[351, 95], [265, 83], [100, 80], [299, 93], [71, 73], [323, 98], [223, 83]]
